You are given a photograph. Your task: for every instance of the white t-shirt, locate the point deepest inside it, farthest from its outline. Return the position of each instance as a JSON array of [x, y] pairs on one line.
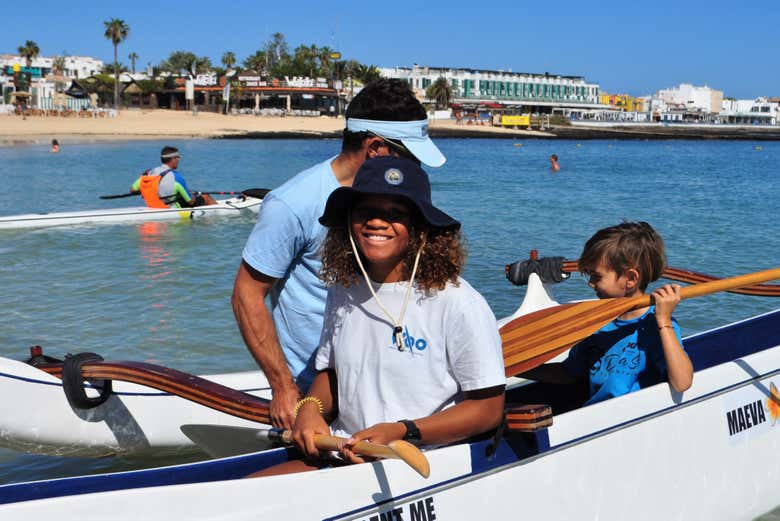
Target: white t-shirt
[[452, 345]]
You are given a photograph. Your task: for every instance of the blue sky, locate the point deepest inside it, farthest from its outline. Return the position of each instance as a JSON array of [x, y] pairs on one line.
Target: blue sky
[[632, 47]]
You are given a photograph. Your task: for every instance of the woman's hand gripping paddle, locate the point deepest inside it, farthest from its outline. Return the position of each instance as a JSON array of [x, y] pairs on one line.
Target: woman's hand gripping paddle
[[222, 440]]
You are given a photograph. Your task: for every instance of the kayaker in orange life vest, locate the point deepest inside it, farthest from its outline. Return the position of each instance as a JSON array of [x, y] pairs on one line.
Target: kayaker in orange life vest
[[163, 186]]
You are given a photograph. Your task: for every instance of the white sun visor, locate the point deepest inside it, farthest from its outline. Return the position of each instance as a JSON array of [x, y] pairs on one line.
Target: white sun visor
[[413, 135]]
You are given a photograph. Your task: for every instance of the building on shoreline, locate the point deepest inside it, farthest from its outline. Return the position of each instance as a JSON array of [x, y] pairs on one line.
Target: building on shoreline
[[687, 103], [760, 111], [515, 91], [76, 67], [44, 81]]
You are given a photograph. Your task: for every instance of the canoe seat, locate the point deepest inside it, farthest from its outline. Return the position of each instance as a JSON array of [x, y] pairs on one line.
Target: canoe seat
[[528, 418]]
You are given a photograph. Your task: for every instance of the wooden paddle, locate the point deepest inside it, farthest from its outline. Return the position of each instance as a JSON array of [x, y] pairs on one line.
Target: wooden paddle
[[530, 340], [222, 440]]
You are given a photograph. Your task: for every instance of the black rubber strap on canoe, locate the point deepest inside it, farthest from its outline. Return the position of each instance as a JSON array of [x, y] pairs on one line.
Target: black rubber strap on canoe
[[549, 269], [73, 383]]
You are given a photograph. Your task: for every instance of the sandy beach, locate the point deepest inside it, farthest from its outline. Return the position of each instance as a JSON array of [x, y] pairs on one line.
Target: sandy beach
[[162, 124], [156, 124]]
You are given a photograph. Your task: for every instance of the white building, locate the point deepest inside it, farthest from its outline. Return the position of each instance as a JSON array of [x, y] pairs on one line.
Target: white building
[[695, 99], [760, 111], [75, 66], [477, 86]]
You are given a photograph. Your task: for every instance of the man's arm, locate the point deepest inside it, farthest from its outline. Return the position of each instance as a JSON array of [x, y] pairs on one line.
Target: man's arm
[[259, 333]]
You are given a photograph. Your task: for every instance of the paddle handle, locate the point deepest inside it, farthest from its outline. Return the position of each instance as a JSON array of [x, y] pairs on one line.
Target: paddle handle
[[705, 288], [119, 196], [365, 448], [397, 449]]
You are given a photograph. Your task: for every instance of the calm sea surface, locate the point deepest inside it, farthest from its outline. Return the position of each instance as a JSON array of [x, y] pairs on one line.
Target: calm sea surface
[[160, 292]]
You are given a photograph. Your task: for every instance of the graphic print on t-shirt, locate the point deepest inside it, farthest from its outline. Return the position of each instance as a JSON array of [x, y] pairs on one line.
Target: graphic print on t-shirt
[[411, 344]]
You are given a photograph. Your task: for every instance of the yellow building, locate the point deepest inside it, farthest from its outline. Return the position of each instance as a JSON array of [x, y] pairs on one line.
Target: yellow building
[[622, 101]]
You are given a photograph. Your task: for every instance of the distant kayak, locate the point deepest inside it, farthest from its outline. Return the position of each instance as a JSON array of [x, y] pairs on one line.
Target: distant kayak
[[224, 207]]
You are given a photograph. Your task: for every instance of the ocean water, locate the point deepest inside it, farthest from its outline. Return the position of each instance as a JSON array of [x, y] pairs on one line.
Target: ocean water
[[161, 292]]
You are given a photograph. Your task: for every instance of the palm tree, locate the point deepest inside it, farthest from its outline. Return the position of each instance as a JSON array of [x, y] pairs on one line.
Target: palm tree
[[116, 31], [132, 57], [29, 51], [368, 73], [325, 59], [58, 65], [441, 92], [228, 60], [256, 62]]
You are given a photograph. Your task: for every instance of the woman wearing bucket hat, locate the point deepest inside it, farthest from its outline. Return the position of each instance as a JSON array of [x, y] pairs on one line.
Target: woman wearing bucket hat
[[409, 350]]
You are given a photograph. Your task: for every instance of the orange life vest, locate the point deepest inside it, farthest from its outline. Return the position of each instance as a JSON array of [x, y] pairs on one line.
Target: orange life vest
[[149, 188]]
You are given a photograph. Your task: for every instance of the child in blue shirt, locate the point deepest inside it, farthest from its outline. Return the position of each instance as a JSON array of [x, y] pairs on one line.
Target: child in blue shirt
[[642, 346]]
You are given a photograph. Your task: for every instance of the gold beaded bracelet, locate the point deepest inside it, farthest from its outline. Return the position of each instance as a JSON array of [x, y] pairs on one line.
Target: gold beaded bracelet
[[303, 401]]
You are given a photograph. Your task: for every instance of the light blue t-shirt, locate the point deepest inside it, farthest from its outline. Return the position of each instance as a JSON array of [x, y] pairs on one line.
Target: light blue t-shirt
[[621, 357], [285, 244]]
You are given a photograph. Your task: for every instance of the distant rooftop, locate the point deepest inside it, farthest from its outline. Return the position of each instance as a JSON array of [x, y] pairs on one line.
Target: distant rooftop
[[491, 71]]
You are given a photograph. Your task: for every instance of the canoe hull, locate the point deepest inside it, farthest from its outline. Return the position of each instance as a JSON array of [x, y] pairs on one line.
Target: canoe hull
[[653, 454], [224, 207], [135, 419]]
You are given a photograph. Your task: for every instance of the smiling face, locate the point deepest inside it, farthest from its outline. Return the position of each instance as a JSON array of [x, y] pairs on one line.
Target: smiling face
[[380, 225]]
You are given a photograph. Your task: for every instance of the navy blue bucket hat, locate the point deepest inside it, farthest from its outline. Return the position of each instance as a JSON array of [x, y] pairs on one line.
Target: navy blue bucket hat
[[387, 175]]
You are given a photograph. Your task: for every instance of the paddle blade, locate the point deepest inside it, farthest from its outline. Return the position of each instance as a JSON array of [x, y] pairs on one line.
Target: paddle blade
[[531, 340], [398, 449], [219, 441], [413, 457]]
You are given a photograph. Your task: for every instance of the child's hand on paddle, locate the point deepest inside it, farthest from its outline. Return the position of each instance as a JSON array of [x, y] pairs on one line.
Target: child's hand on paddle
[[666, 299], [381, 433]]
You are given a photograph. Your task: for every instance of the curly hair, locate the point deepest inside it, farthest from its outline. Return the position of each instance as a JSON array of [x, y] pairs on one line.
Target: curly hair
[[441, 260]]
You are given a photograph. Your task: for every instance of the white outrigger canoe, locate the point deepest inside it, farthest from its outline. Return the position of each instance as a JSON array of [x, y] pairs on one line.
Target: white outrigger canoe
[[135, 419], [224, 207], [653, 454]]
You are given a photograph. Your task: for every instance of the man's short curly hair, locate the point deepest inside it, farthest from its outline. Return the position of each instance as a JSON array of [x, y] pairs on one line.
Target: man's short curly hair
[[387, 99]]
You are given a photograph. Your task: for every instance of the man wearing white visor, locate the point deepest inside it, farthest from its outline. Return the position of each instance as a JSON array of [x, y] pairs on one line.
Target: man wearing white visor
[[413, 136], [281, 258]]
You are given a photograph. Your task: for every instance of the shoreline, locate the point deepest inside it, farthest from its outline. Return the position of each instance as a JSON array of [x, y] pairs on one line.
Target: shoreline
[[132, 125]]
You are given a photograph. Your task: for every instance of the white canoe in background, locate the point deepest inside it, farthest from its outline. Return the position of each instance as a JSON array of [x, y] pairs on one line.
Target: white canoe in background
[[231, 206], [649, 455]]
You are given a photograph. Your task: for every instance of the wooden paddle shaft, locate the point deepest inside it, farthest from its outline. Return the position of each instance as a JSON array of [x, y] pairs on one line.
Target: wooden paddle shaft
[[326, 442], [692, 277], [706, 288], [397, 449]]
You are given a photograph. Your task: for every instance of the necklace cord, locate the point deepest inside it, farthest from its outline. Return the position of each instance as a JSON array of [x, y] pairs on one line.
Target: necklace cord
[[397, 328]]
